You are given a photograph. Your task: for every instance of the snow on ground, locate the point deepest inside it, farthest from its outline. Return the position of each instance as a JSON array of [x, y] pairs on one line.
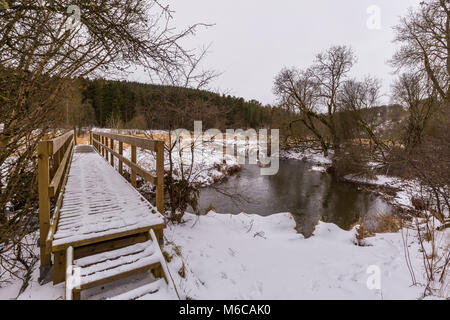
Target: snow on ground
[[208, 166], [406, 189], [315, 157], [318, 168], [252, 257]]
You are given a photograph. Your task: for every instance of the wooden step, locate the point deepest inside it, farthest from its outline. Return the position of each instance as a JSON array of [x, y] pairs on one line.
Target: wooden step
[[98, 269], [157, 290]]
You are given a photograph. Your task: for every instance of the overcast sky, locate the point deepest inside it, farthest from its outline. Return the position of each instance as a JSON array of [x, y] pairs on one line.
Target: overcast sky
[[252, 40]]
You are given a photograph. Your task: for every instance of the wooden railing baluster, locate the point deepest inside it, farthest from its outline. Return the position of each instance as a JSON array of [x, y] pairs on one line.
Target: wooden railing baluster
[[133, 171], [120, 160], [100, 142], [111, 145]]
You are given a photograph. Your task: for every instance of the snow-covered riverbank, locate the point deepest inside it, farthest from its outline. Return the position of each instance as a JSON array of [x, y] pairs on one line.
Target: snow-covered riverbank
[[253, 257], [403, 190], [223, 256]]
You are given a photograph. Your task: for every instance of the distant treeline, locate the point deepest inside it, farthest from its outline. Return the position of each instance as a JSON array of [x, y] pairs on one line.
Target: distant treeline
[[132, 105], [146, 106]]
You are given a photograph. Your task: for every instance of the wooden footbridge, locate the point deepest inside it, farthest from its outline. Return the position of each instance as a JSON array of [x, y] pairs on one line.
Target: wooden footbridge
[[94, 223]]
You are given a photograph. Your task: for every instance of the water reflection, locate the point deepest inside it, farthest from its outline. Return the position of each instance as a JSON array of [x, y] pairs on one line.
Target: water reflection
[[308, 195]]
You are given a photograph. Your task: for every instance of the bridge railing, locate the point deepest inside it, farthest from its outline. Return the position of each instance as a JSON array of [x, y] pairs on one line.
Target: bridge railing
[[54, 158], [103, 142]]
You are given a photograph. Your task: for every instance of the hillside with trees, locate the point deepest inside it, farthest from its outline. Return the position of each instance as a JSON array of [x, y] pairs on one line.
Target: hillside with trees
[[122, 104]]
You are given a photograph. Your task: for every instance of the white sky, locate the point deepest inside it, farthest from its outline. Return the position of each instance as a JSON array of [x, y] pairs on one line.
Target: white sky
[[252, 40]]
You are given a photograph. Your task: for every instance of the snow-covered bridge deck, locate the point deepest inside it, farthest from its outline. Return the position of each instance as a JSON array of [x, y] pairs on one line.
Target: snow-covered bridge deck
[[100, 204], [98, 214]]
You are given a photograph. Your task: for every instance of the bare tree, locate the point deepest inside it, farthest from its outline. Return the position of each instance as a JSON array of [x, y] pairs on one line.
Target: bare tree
[[425, 38], [181, 107], [358, 97], [44, 48], [313, 93], [419, 99]]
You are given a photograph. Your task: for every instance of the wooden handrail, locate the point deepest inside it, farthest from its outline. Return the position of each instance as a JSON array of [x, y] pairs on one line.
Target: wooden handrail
[[133, 141], [99, 140], [57, 143], [57, 152], [140, 171], [56, 181]]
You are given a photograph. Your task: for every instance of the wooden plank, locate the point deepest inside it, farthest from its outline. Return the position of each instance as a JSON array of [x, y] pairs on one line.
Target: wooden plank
[[76, 295], [44, 147], [110, 245], [58, 142], [160, 176], [142, 172], [59, 269], [111, 145], [163, 272], [59, 203], [69, 273], [133, 169], [119, 276], [54, 184], [120, 160], [94, 138], [94, 239], [135, 141], [106, 149], [55, 163]]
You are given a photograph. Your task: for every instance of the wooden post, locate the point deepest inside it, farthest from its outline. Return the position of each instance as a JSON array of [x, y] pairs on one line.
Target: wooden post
[[96, 144], [75, 136], [90, 138], [106, 151], [111, 145], [160, 176], [59, 269], [120, 160], [133, 172], [44, 150], [101, 147], [224, 149]]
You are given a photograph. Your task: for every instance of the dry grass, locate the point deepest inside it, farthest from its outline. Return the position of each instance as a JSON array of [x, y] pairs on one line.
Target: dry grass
[[210, 208], [167, 256], [83, 139], [387, 223], [182, 271], [361, 234]]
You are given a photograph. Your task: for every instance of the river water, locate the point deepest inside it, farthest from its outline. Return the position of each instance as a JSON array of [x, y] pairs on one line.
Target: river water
[[308, 195]]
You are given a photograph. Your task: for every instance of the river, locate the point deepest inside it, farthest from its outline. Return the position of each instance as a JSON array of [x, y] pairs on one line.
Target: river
[[309, 195]]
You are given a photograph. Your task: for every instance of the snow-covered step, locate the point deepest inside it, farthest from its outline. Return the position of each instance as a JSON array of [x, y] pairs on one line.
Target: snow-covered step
[[98, 269], [156, 290]]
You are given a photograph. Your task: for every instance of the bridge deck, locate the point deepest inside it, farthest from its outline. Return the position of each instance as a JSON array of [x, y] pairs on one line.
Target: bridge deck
[[100, 204]]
